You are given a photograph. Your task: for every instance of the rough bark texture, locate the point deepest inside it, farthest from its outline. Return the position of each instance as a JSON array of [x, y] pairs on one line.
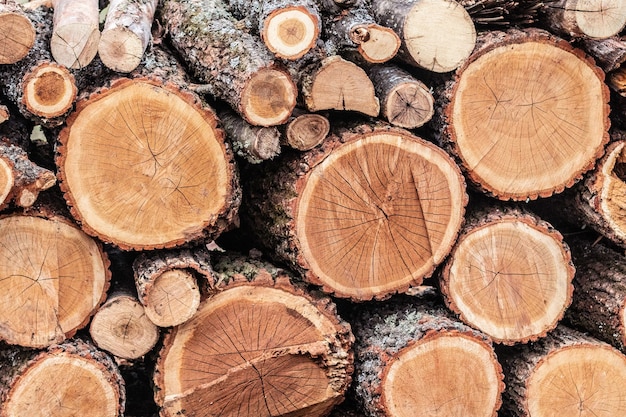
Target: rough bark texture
[[609, 53]]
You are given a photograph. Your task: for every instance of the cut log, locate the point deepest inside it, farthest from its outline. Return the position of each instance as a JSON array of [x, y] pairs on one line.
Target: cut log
[[140, 153], [17, 33], [367, 214], [617, 81], [169, 284], [526, 115], [420, 25], [289, 29], [122, 328], [413, 359], [126, 33], [304, 130], [258, 347], [509, 275], [73, 378], [564, 374], [75, 33], [55, 277], [609, 53], [238, 67], [502, 13], [585, 18], [405, 101], [337, 84]]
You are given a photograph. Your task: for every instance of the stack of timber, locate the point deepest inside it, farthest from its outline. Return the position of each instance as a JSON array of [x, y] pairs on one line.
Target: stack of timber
[[378, 208]]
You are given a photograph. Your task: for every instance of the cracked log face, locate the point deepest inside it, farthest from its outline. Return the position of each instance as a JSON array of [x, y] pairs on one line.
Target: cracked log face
[[52, 278], [143, 166], [527, 116], [377, 214], [254, 351], [17, 34]]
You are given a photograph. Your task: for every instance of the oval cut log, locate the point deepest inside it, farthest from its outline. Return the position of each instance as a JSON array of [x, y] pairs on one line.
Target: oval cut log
[[597, 19]]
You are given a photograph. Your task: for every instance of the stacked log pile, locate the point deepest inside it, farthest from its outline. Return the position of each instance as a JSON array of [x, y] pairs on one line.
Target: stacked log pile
[[339, 208]]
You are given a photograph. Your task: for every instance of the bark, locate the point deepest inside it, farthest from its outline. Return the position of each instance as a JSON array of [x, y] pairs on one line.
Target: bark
[[367, 214], [238, 67], [75, 34], [502, 13], [70, 376], [413, 358], [609, 53], [514, 137], [509, 275], [585, 18], [304, 130], [126, 33], [564, 374], [259, 347], [16, 31]]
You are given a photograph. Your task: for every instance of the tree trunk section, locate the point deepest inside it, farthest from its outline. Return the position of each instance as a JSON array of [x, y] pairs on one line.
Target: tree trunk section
[[367, 214], [73, 378], [585, 18], [564, 374], [126, 33], [413, 358], [617, 81], [237, 65], [526, 115], [16, 31], [509, 275], [258, 347], [304, 130], [609, 53], [75, 33], [156, 155]]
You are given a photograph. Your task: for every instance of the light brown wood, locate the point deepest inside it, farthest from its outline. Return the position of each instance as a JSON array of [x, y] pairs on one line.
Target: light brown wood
[[49, 90], [617, 81], [292, 30], [305, 131], [17, 33], [75, 34], [585, 18]]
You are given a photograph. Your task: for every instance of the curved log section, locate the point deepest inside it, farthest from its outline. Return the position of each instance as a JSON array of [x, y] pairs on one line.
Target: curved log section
[[585, 18], [258, 347], [305, 131], [367, 214], [527, 115], [73, 378], [140, 153], [17, 33], [564, 374], [509, 275], [53, 279], [75, 33], [414, 359]]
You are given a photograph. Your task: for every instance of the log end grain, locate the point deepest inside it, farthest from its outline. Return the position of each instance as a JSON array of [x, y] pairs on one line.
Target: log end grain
[[173, 298], [376, 44], [75, 45], [306, 131], [120, 49], [268, 97], [17, 36], [290, 32], [7, 179], [49, 90]]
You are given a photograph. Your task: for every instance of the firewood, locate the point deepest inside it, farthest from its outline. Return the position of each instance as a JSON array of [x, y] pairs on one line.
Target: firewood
[[55, 277], [405, 101], [169, 284], [75, 33], [304, 130], [366, 214], [526, 115], [609, 53], [126, 33], [73, 378], [164, 145], [16, 31], [413, 359], [585, 18], [337, 84], [502, 13], [509, 275], [237, 66], [260, 346], [564, 374], [420, 25], [617, 81]]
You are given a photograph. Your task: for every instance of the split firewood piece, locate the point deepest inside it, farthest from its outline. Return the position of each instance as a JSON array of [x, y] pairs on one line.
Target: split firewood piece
[[337, 84], [237, 65], [367, 214], [585, 18], [169, 284], [305, 130], [288, 29], [75, 33], [73, 378], [17, 33], [420, 23], [126, 33], [564, 374], [260, 346], [356, 29], [253, 143], [609, 53], [405, 101], [412, 358], [122, 328], [164, 147], [42, 90], [599, 302], [55, 277], [509, 275], [526, 115], [21, 180]]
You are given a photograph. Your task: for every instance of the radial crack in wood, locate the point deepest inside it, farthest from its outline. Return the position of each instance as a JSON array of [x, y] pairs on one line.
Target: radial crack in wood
[[586, 18], [76, 34], [17, 33]]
